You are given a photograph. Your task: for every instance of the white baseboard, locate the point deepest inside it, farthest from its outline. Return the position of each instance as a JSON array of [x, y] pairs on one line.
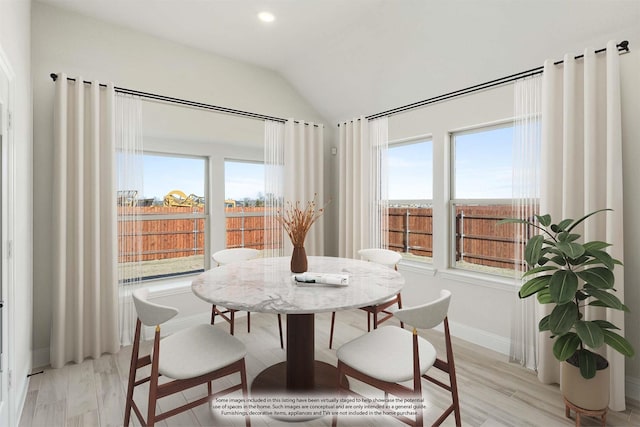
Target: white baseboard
[[632, 388], [478, 336], [40, 358]]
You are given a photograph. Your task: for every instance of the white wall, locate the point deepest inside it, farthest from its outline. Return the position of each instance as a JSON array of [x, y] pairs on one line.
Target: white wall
[[481, 310], [80, 46], [15, 45]]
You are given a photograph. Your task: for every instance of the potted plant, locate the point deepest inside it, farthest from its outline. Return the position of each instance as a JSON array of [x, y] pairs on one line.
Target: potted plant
[[571, 275]]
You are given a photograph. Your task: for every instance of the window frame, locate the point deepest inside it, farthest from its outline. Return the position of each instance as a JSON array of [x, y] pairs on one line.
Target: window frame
[[239, 215], [425, 138], [453, 202], [206, 216]]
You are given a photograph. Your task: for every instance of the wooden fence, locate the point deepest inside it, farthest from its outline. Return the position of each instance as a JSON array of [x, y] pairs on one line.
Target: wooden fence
[[479, 240]]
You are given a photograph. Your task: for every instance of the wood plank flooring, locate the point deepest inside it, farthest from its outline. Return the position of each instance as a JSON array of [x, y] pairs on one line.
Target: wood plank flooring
[[493, 392]]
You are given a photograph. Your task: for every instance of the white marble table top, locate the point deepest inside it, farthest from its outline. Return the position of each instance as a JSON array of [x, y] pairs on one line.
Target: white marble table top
[[266, 285]]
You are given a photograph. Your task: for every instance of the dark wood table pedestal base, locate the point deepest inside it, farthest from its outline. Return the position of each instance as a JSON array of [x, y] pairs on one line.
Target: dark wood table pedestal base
[[272, 381], [301, 375]]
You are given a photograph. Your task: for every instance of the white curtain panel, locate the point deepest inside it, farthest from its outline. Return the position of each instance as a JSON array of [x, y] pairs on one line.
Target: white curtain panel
[[129, 183], [582, 171], [379, 206], [362, 203], [84, 283], [294, 172], [274, 187], [526, 195], [304, 176]]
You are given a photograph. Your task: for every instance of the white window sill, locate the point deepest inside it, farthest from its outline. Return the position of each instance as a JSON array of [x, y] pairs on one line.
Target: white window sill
[[417, 267], [164, 287], [495, 282]]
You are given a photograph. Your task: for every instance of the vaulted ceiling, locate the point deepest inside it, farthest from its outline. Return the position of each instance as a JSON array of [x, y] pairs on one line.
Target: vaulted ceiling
[[359, 57]]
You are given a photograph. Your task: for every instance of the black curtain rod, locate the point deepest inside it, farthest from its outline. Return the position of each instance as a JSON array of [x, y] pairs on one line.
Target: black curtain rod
[[623, 47], [179, 101]]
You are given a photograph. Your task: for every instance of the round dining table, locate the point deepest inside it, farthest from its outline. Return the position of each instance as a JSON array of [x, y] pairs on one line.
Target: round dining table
[[267, 285]]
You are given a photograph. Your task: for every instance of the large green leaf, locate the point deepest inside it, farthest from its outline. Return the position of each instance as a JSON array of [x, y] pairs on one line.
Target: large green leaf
[[607, 298], [585, 217], [563, 286], [618, 343], [562, 318], [587, 363], [595, 245], [571, 249], [565, 346], [597, 303], [534, 285], [590, 333], [544, 297], [543, 325], [562, 225], [544, 220], [599, 277], [533, 249], [603, 257], [539, 269], [567, 237], [605, 324]]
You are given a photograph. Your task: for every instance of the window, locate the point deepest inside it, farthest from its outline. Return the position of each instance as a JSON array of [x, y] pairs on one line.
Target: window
[[481, 195], [410, 192], [244, 204], [163, 224]]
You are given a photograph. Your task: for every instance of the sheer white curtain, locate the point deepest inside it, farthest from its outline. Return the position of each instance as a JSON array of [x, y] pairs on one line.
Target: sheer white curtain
[[304, 175], [526, 196], [274, 187], [84, 283], [129, 183], [363, 152], [294, 172], [582, 171]]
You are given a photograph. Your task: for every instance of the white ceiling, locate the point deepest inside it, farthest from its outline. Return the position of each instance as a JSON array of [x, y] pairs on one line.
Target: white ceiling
[[359, 57]]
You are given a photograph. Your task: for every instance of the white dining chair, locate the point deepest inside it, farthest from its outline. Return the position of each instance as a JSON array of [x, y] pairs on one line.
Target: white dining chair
[[230, 256], [389, 259], [406, 357], [191, 357]]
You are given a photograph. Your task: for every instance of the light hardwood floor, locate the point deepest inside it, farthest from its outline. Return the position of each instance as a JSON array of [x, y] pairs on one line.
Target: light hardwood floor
[[493, 392]]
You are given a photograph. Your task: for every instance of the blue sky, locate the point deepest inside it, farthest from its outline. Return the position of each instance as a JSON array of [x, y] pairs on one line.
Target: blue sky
[[163, 174], [483, 162]]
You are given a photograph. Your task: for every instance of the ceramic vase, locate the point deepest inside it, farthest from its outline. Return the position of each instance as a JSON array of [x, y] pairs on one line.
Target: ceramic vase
[[298, 260]]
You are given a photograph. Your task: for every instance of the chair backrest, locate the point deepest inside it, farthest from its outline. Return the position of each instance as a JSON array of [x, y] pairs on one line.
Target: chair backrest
[[381, 256], [229, 256], [426, 316], [149, 313]]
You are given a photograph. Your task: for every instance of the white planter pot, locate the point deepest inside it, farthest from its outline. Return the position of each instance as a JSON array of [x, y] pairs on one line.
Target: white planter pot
[[591, 394]]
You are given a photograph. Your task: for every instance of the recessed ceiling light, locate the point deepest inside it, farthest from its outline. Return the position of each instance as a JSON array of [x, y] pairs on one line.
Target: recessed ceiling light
[[266, 17]]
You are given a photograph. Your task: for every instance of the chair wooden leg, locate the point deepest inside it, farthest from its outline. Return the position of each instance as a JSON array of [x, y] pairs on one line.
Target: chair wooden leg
[[153, 381], [452, 373], [132, 374], [280, 329], [333, 321], [245, 392], [232, 324], [368, 322], [213, 314], [375, 319], [248, 321], [400, 306]]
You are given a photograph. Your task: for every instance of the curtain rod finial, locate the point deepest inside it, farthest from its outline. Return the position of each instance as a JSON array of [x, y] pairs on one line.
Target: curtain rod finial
[[624, 45], [53, 76]]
